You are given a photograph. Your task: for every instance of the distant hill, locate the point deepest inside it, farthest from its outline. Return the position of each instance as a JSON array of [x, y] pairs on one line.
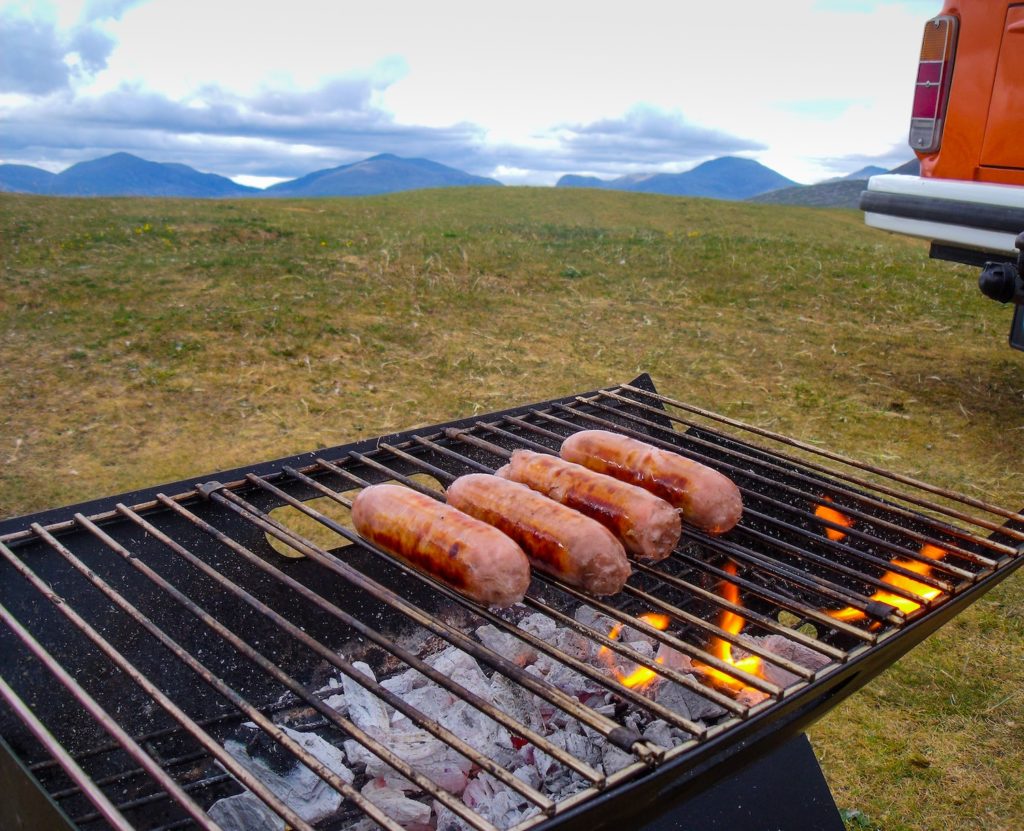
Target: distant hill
[[21, 178], [572, 180], [835, 193], [725, 178], [123, 174], [863, 173], [120, 174], [384, 173]]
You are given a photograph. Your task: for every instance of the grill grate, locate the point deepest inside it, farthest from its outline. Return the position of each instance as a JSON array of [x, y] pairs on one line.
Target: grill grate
[[113, 612]]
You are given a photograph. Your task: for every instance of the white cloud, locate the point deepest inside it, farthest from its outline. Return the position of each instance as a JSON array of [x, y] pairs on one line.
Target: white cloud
[[800, 85]]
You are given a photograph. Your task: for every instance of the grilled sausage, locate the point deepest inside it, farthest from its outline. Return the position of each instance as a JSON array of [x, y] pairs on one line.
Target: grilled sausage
[[471, 556], [706, 498], [645, 524], [557, 539]]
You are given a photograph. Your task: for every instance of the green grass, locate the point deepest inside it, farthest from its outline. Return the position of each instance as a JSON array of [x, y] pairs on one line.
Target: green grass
[[145, 341]]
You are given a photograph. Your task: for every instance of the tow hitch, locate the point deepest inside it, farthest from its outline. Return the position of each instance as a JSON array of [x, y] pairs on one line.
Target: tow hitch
[[1004, 281]]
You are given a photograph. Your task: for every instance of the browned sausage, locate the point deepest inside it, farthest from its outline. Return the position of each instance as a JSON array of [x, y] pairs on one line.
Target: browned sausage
[[644, 523], [706, 498], [557, 539], [471, 556]]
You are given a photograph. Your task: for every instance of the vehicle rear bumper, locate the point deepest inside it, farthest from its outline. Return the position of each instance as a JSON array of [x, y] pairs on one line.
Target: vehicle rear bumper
[[972, 215]]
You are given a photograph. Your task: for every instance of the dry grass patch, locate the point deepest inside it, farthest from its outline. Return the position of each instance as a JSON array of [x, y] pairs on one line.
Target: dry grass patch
[[146, 341]]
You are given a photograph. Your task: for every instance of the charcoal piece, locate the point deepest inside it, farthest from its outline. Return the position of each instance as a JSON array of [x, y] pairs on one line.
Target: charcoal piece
[[300, 788], [259, 745], [396, 804], [244, 812], [462, 669], [366, 710], [686, 702], [405, 682], [508, 646]]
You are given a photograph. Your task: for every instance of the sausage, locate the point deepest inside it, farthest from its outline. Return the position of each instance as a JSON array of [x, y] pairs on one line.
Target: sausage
[[471, 556], [645, 524], [707, 499], [557, 539]]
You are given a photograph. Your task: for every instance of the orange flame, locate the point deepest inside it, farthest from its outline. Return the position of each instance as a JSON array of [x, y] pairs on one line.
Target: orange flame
[[720, 648], [832, 515], [904, 604], [641, 675]]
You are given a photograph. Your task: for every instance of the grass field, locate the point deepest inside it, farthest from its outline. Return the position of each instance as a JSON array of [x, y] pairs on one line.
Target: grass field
[[144, 341]]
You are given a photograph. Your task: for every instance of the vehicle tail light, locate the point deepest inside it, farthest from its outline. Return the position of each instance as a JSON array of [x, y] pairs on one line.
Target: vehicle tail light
[[934, 73]]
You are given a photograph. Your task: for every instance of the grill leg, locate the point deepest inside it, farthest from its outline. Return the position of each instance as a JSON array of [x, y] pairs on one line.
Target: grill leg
[[784, 791]]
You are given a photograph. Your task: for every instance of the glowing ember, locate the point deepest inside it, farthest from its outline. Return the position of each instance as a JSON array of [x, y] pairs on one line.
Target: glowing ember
[[641, 675], [832, 515], [720, 648], [904, 604]]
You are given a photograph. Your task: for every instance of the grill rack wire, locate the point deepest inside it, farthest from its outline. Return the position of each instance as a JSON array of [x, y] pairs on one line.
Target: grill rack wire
[[789, 571]]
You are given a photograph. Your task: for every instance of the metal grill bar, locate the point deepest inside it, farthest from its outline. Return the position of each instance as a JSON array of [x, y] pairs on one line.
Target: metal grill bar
[[782, 485], [785, 564], [838, 488], [415, 715], [613, 732], [579, 666], [91, 789], [899, 550], [878, 471], [675, 643], [420, 666]]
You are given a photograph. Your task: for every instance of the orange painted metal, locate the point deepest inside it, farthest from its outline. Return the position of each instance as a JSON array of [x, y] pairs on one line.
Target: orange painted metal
[[983, 137]]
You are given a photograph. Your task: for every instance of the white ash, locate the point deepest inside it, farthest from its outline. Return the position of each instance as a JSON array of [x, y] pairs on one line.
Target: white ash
[[517, 651], [394, 803], [503, 806], [300, 788], [244, 812]]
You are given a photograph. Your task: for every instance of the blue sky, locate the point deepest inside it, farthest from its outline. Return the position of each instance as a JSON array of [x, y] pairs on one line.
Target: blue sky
[[523, 92]]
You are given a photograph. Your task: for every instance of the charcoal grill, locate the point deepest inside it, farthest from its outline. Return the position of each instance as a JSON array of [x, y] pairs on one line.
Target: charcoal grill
[[140, 631]]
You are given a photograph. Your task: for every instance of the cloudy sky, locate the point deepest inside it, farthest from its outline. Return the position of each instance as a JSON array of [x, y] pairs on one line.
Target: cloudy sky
[[523, 91]]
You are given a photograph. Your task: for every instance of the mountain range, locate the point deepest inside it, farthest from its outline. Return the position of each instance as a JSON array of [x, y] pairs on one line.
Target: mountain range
[[123, 174], [834, 193], [725, 178]]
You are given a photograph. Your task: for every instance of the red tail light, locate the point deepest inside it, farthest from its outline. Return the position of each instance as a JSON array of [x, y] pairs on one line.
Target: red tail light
[[934, 73]]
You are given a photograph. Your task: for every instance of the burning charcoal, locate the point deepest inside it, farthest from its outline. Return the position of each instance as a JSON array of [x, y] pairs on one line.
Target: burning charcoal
[[613, 760], [749, 697], [660, 733], [497, 803], [301, 789], [462, 669], [479, 731], [673, 658], [508, 646], [448, 820], [366, 710], [589, 616], [395, 804], [527, 774], [564, 677], [244, 812], [540, 625], [430, 700], [687, 703], [424, 753], [511, 698], [795, 652]]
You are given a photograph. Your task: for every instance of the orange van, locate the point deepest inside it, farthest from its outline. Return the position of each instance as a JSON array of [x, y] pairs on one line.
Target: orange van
[[967, 129]]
